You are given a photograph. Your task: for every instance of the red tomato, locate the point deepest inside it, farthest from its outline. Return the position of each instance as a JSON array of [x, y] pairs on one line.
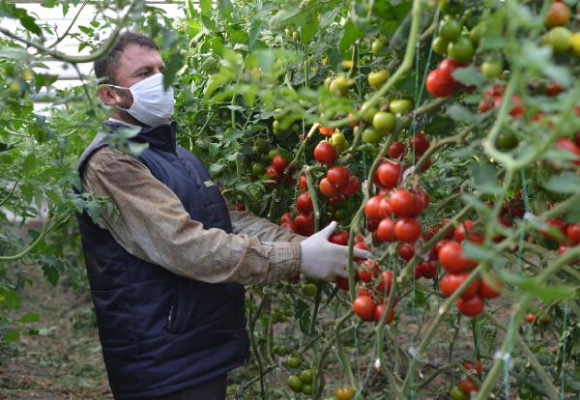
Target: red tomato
[[304, 203], [450, 282], [487, 291], [403, 203], [459, 233], [352, 187], [338, 176], [326, 131], [340, 238], [286, 217], [440, 245], [438, 85], [553, 89], [471, 307], [570, 146], [385, 209], [240, 206], [368, 269], [407, 230], [531, 318], [364, 292], [304, 224], [380, 310], [372, 209], [467, 386], [423, 196], [470, 367], [327, 188], [386, 230], [272, 175], [279, 163], [386, 282], [447, 66], [573, 233], [557, 223], [364, 307], [429, 269], [484, 106], [420, 143], [451, 258], [396, 149], [342, 283], [302, 184], [406, 251], [289, 225], [325, 153], [388, 174], [518, 109]]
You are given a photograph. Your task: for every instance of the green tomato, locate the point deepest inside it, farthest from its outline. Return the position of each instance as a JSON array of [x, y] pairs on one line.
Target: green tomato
[[257, 169], [378, 45], [461, 50], [476, 33], [450, 29], [309, 289], [369, 113], [307, 376], [307, 389], [384, 122], [401, 106], [507, 141], [273, 153], [458, 394], [575, 43], [377, 78], [371, 135], [559, 38], [294, 361], [451, 7], [492, 69], [440, 46], [278, 114], [295, 383], [339, 86]]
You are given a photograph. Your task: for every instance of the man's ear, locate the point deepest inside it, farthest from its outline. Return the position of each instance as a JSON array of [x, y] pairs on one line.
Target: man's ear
[[109, 95]]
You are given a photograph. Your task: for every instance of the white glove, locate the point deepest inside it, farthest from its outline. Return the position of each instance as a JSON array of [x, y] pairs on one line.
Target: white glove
[[322, 259]]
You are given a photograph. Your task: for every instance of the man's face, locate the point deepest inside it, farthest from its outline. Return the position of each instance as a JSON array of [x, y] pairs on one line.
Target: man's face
[[135, 64]]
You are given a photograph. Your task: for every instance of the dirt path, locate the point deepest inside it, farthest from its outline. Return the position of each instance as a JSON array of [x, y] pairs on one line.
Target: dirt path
[[63, 360]]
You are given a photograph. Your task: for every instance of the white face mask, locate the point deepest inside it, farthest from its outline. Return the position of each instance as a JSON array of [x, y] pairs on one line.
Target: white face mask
[[152, 105]]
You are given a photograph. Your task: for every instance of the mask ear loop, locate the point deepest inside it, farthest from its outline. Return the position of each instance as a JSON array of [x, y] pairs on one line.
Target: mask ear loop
[[124, 88]]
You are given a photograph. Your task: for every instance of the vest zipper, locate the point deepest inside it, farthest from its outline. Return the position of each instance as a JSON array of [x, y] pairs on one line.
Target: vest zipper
[[171, 317]]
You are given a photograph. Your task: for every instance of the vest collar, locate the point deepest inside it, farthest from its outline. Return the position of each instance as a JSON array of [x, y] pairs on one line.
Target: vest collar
[[162, 137]]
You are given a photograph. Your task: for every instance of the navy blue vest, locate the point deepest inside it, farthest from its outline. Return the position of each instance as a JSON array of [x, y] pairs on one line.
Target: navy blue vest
[[162, 333]]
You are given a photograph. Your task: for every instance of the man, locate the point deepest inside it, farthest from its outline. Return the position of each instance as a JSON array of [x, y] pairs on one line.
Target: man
[[166, 274]]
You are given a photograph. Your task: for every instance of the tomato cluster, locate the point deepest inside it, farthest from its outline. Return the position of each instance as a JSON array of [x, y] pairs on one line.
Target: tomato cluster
[[467, 386], [450, 254], [303, 381], [440, 81], [275, 172]]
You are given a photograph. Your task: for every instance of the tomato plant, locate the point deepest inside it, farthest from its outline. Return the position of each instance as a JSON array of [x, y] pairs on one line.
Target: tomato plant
[[441, 136]]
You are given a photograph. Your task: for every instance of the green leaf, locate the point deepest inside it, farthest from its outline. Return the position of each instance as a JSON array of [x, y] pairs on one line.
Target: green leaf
[[475, 252], [461, 114], [547, 294], [205, 6], [302, 315], [86, 29], [470, 76], [15, 53], [566, 182], [29, 23], [9, 299], [309, 28], [209, 23], [225, 9], [29, 317], [484, 177], [79, 204], [351, 34], [172, 66], [11, 335], [49, 3]]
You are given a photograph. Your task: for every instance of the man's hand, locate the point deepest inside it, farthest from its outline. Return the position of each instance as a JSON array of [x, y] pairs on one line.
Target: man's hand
[[322, 259]]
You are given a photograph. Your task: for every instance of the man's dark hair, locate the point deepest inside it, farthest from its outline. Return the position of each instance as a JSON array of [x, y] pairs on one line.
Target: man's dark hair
[[106, 66]]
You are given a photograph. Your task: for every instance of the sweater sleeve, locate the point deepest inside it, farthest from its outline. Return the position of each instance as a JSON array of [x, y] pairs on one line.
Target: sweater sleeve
[[153, 225]]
